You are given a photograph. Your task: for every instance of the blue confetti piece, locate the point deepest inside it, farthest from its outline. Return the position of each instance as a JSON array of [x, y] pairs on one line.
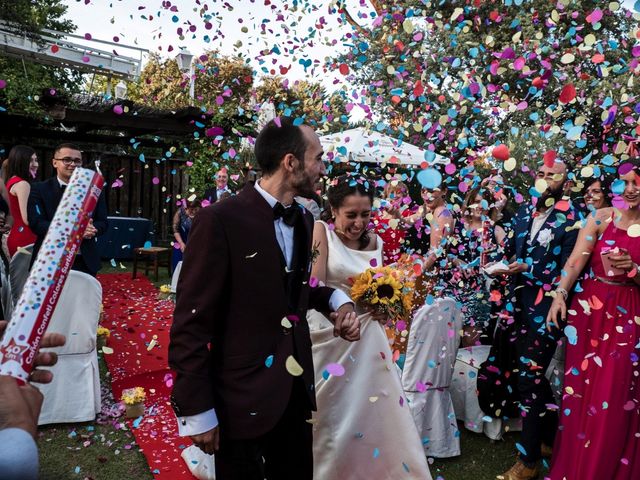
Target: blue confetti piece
[[376, 453], [136, 422], [147, 244], [521, 449], [572, 334], [269, 361]]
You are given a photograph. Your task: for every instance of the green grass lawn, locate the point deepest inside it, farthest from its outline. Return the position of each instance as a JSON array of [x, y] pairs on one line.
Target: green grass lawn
[[106, 450]]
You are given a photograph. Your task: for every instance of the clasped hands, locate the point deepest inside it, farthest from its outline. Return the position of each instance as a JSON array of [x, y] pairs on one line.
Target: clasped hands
[[346, 323]]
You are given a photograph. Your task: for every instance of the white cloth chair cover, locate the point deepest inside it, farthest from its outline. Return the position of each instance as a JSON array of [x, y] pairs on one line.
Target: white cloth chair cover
[[74, 393], [5, 291], [465, 396], [426, 376], [19, 271], [175, 277], [555, 372]]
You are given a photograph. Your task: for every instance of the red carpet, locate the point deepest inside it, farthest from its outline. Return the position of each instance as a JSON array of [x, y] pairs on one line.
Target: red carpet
[[134, 315]]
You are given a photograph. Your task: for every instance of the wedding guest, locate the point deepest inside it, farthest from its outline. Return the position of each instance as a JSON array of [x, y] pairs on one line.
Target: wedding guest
[[429, 227], [212, 195], [21, 170], [346, 248], [386, 223], [498, 201], [540, 242], [240, 343], [45, 198], [182, 221], [597, 193], [599, 434], [475, 237]]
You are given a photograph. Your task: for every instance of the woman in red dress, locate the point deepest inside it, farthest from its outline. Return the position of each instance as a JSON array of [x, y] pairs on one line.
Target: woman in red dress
[[599, 434], [21, 169], [386, 224]]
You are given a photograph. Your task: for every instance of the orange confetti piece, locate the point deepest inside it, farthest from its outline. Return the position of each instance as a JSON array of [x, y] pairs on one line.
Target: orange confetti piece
[[539, 297], [595, 303]]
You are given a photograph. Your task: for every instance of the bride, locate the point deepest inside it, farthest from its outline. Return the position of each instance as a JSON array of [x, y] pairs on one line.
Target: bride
[[363, 428]]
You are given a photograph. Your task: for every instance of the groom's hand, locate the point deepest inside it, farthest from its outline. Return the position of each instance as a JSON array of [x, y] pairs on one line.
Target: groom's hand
[[208, 442], [346, 323]]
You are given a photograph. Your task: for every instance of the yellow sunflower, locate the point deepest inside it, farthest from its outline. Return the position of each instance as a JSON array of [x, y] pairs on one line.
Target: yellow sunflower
[[386, 290], [361, 285]]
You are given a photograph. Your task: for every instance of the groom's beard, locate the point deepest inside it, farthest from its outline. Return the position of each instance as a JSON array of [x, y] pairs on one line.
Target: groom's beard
[[303, 184], [555, 194]]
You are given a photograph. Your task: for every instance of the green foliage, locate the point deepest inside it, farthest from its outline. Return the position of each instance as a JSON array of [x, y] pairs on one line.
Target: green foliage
[[327, 113], [26, 81]]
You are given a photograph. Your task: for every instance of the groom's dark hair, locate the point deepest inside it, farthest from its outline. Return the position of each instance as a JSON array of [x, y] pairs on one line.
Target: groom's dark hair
[[276, 139]]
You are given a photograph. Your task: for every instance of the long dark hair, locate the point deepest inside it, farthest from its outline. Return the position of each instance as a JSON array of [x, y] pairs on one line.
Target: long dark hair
[[343, 187], [19, 160], [605, 186]]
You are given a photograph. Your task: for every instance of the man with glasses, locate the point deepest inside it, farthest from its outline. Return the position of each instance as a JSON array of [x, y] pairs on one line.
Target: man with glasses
[[43, 202]]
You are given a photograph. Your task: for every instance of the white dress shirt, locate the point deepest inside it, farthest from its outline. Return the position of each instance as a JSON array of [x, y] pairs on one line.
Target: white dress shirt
[[538, 222], [205, 421]]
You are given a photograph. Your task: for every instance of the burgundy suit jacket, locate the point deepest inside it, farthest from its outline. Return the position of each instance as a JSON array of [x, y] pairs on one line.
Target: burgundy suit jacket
[[231, 295]]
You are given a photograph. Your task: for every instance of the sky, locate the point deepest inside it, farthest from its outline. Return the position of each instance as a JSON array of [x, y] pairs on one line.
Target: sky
[[292, 38]]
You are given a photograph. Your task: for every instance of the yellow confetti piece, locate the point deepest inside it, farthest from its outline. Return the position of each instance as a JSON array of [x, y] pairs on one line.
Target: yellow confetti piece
[[510, 164], [541, 185], [634, 230], [293, 367], [107, 350], [587, 172], [567, 58], [590, 39], [373, 399], [285, 323], [407, 25]]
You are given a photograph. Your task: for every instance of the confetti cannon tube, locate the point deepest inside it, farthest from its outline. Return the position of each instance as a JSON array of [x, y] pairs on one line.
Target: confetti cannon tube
[[42, 290]]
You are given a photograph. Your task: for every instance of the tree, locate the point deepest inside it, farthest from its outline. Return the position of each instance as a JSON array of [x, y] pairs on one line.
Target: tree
[[308, 100], [223, 87], [222, 83], [26, 81]]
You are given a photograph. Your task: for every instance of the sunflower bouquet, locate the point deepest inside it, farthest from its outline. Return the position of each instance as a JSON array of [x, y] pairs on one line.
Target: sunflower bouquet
[[385, 290]]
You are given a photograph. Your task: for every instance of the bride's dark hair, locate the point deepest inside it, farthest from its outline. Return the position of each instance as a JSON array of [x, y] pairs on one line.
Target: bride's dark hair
[[343, 187]]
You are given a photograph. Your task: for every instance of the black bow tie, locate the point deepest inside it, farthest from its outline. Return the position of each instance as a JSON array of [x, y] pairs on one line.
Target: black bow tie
[[290, 215]]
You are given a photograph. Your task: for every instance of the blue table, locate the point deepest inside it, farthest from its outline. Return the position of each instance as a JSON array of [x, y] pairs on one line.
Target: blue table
[[123, 236]]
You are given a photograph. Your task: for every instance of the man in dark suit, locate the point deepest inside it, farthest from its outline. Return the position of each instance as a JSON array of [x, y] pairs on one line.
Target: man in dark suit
[[43, 202], [240, 343], [541, 241]]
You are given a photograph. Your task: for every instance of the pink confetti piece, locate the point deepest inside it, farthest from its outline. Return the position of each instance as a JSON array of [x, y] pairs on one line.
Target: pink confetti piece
[[335, 369]]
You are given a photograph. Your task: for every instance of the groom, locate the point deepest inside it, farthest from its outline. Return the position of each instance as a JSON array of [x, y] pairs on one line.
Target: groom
[[240, 343]]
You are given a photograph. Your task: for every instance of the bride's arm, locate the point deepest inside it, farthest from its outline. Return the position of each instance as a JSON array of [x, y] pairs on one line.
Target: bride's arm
[[320, 244]]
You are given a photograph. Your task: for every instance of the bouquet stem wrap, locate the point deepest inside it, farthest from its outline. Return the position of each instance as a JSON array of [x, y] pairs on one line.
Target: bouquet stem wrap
[[41, 292]]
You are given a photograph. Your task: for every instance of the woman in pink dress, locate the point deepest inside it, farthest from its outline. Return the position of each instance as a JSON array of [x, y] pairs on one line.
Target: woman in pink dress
[[21, 170], [599, 433]]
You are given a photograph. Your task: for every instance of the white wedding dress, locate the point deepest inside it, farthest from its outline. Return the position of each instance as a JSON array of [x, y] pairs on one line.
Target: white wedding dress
[[363, 428]]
